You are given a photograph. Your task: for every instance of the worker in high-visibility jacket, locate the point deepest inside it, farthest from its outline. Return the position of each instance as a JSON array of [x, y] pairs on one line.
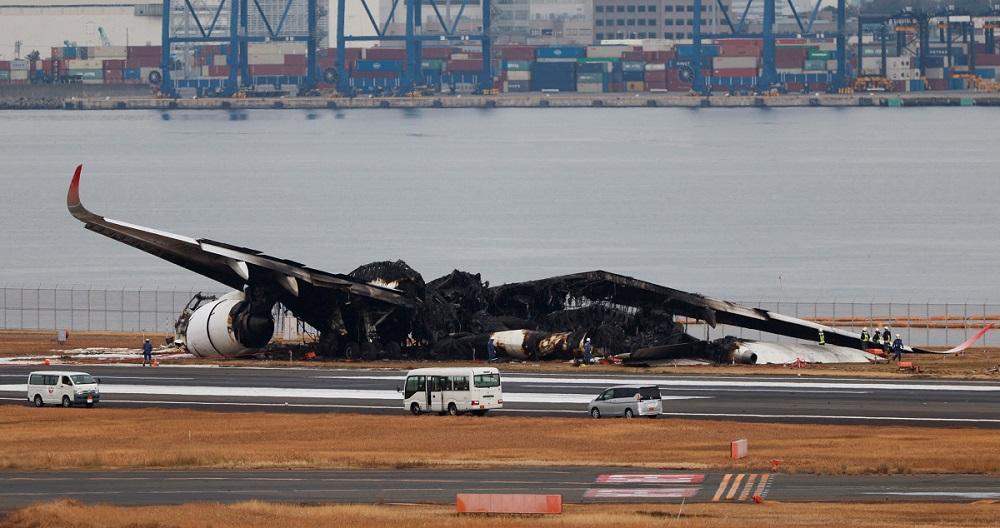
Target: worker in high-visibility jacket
[[877, 338], [886, 340], [866, 338], [822, 338]]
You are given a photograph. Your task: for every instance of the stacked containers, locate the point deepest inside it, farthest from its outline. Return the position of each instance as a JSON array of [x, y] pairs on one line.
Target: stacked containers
[[517, 76], [555, 68], [4, 72], [633, 74], [274, 58], [593, 75]]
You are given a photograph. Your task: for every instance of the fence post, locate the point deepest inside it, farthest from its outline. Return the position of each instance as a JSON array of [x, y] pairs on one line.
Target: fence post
[[909, 325], [965, 321], [72, 307], [947, 323], [105, 308]]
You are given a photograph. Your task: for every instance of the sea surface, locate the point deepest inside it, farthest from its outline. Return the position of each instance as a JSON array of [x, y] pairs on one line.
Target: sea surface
[[745, 204]]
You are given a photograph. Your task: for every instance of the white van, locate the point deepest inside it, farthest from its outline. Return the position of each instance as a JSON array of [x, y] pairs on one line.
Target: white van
[[62, 387], [453, 390]]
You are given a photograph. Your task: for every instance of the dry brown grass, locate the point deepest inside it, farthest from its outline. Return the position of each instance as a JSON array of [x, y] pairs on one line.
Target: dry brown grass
[[180, 438], [66, 513], [973, 364]]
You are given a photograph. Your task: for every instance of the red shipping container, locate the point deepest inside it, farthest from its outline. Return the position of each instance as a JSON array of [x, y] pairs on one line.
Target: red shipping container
[[987, 60], [436, 52], [656, 85], [151, 61], [4, 65], [113, 77], [144, 51], [210, 49], [656, 76], [658, 57], [735, 72], [473, 55], [114, 64], [938, 84], [522, 53], [385, 54], [793, 41], [632, 56], [218, 71], [276, 69], [469, 65], [295, 60], [794, 87], [899, 86]]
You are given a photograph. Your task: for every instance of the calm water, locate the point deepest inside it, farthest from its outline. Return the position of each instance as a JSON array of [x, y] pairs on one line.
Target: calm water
[[811, 204]]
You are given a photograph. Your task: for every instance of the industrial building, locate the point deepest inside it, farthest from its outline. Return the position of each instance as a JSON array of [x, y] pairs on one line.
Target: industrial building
[[41, 24], [653, 19]]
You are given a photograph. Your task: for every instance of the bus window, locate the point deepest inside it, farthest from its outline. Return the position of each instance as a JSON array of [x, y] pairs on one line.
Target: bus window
[[414, 384], [440, 383], [460, 383], [483, 381], [36, 379], [51, 379]]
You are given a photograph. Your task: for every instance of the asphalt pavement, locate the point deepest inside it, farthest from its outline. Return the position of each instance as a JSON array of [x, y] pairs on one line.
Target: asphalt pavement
[[574, 484], [788, 399]]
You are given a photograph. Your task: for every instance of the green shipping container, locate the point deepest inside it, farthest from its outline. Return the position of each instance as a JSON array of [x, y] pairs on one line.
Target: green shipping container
[[599, 59], [4, 75], [815, 65], [515, 65], [590, 77], [432, 64], [820, 55], [86, 74], [632, 66]]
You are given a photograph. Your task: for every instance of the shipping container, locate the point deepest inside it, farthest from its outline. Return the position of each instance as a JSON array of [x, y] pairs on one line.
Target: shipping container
[[590, 87], [589, 78], [18, 65], [517, 65], [734, 62], [554, 76], [378, 66], [435, 52], [635, 86], [518, 75], [814, 65], [987, 73], [560, 52], [607, 51], [518, 53], [517, 86], [735, 72], [465, 65], [132, 74], [686, 51], [4, 75], [432, 64], [632, 66], [820, 55]]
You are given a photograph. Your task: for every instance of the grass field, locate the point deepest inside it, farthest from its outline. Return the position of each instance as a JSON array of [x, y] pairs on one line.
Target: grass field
[[180, 438], [973, 364], [264, 515]]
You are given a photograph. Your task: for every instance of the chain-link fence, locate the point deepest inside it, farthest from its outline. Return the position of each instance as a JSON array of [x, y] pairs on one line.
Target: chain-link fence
[[142, 310], [109, 310]]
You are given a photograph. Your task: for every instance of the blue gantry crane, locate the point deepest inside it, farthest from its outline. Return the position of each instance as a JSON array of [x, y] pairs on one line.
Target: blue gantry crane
[[228, 23], [768, 75], [414, 38]]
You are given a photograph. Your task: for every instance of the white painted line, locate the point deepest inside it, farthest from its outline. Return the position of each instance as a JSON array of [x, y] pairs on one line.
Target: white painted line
[[342, 394], [255, 404], [640, 493], [977, 495], [838, 417], [140, 377], [750, 382]]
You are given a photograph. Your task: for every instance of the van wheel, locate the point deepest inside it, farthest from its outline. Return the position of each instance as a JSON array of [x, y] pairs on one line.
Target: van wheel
[[38, 400], [595, 413], [415, 409], [452, 410], [628, 413], [66, 402]]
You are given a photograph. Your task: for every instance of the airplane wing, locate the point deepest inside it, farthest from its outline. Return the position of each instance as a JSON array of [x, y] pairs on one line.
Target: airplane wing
[[231, 265], [966, 344]]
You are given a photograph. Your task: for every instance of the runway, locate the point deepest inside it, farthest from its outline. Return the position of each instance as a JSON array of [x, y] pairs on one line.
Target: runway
[[788, 399], [576, 485]]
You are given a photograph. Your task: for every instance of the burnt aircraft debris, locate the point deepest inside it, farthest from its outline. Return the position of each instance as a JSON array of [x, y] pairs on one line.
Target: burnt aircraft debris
[[386, 309]]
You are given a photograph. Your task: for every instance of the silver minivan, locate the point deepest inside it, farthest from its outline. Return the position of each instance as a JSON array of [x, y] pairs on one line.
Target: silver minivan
[[627, 401]]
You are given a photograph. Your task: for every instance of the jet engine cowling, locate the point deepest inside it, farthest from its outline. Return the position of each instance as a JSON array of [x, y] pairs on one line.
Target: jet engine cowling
[[227, 328]]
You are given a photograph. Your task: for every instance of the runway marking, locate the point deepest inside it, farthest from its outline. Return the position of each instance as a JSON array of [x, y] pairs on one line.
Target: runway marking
[[762, 487], [977, 495], [735, 486], [722, 487], [664, 478], [745, 494], [730, 487], [103, 377], [750, 383], [640, 493], [317, 393], [838, 417]]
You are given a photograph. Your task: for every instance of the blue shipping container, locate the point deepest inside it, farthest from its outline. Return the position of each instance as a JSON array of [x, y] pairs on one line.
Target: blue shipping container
[[553, 76], [956, 84], [132, 74], [916, 85], [686, 51], [379, 65], [561, 52], [986, 73]]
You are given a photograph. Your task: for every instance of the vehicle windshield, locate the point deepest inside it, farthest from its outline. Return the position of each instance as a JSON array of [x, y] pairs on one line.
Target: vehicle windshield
[[649, 393], [82, 379], [487, 380]]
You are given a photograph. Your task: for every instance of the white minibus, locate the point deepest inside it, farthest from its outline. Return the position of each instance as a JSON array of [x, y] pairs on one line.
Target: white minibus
[[453, 390], [62, 387]]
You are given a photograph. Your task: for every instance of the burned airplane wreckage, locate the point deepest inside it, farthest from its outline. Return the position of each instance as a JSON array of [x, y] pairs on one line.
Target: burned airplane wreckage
[[385, 309]]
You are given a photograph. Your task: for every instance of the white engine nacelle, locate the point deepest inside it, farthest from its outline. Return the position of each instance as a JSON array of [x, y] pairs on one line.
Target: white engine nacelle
[[222, 329]]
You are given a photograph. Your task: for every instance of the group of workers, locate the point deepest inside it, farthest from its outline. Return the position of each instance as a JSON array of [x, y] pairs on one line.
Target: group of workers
[[882, 338]]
